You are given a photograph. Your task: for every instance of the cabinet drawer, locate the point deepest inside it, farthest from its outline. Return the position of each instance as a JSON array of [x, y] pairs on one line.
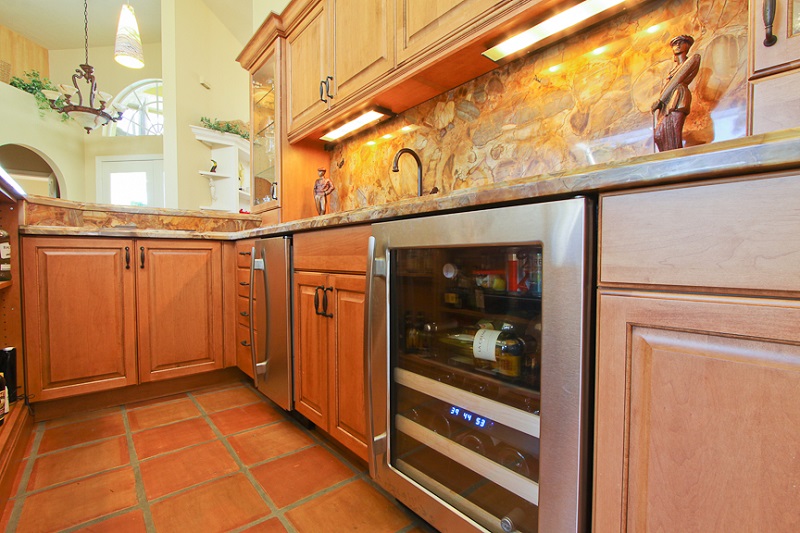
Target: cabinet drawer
[[244, 359], [332, 250], [243, 282], [734, 235], [243, 311], [243, 252], [776, 102]]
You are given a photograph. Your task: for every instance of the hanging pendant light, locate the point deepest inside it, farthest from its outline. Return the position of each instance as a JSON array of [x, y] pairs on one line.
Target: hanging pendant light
[[128, 46], [70, 100]]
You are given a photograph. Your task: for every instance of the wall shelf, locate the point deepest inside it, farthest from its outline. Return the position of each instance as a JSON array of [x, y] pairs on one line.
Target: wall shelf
[[232, 155]]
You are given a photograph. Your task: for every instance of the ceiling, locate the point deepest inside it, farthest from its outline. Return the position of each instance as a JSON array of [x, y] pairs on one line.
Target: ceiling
[[58, 24]]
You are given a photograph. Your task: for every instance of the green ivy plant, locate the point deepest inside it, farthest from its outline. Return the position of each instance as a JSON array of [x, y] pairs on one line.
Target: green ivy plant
[[35, 84], [225, 127]]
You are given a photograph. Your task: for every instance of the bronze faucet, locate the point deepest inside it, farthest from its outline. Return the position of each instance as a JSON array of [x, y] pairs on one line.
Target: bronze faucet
[[395, 168]]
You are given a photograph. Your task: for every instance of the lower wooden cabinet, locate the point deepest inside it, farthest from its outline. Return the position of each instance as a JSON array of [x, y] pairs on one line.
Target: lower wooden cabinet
[[697, 419], [329, 304], [92, 303], [329, 355]]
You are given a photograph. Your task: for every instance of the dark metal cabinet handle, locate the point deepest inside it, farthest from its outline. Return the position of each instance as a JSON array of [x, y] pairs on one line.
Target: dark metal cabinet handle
[[141, 257], [244, 283], [244, 313], [316, 298], [328, 81], [769, 17], [128, 257], [325, 302], [245, 343], [244, 253], [322, 91]]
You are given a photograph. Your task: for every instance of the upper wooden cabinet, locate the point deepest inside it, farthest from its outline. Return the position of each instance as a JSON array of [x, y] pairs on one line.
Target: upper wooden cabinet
[[91, 302], [775, 69], [423, 23], [336, 48]]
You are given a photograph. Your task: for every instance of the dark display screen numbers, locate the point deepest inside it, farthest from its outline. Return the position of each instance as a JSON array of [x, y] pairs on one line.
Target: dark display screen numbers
[[470, 418]]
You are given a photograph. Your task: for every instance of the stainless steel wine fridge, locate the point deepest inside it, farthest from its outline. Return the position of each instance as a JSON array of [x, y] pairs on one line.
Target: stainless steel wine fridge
[[477, 366]]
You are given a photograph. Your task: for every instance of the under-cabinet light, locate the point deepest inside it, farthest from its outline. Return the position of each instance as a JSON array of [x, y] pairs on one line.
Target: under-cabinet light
[[357, 123], [551, 26]]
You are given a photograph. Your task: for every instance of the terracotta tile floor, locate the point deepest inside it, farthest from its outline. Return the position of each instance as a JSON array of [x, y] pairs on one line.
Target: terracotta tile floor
[[220, 459]]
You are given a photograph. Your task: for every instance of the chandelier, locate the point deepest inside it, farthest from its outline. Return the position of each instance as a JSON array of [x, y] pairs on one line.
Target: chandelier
[[70, 100]]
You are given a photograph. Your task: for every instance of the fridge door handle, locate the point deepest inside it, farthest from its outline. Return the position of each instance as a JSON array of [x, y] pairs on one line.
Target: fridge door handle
[[262, 367], [250, 312], [377, 442]]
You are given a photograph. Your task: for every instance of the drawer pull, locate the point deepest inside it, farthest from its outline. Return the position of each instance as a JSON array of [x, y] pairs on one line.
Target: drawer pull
[[244, 313], [244, 283], [245, 253], [769, 17], [245, 343], [128, 257]]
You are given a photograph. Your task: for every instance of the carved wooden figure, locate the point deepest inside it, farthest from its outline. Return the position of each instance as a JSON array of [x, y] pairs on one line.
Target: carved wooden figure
[[675, 101], [322, 188]]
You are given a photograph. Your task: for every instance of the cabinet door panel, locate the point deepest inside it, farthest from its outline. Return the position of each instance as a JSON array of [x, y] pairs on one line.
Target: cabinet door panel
[[180, 309], [307, 64], [363, 55], [348, 401], [80, 316], [311, 349], [421, 23], [697, 419], [785, 53]]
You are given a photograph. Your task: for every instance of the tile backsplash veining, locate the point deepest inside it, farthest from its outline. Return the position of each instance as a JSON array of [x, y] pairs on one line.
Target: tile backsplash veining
[[583, 101]]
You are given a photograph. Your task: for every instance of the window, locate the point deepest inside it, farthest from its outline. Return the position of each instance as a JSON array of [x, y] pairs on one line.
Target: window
[[144, 110], [130, 180]]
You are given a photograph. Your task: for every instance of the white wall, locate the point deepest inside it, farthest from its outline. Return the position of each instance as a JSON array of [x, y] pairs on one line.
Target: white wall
[[197, 48], [262, 9], [59, 143]]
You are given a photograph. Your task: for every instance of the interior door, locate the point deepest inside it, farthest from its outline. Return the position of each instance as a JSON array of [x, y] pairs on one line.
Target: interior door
[[131, 181]]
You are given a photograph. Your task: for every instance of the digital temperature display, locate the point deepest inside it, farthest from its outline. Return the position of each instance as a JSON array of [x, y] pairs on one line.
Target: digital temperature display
[[470, 418]]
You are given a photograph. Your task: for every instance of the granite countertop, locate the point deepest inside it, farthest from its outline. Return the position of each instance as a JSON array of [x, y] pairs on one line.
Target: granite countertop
[[749, 155]]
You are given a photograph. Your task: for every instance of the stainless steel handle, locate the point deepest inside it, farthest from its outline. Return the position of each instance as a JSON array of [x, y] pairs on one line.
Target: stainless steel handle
[[250, 311], [376, 443], [127, 257], [266, 320], [768, 14]]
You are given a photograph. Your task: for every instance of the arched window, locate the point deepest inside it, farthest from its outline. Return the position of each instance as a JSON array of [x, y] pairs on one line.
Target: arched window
[[144, 110]]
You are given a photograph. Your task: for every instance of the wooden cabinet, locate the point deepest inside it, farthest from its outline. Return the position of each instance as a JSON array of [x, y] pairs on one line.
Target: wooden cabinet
[[244, 357], [334, 49], [80, 315], [698, 366], [329, 285], [775, 69], [179, 301], [91, 303], [422, 24]]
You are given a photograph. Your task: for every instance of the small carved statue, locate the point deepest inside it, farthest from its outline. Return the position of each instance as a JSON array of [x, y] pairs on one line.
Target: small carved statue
[[213, 166], [675, 101], [322, 188]]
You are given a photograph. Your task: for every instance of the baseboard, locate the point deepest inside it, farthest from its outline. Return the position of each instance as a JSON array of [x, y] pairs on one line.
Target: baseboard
[[14, 436], [135, 393]]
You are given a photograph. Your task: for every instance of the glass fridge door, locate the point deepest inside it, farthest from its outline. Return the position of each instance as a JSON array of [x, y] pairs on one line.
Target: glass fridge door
[[465, 360]]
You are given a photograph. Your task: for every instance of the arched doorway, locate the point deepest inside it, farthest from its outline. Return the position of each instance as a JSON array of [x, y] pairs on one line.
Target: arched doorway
[[32, 170]]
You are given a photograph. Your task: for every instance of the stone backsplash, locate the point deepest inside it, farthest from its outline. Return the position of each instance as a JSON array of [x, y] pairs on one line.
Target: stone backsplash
[[581, 102]]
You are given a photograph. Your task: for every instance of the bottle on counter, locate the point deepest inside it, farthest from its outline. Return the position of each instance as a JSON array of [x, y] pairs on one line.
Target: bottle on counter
[[5, 256]]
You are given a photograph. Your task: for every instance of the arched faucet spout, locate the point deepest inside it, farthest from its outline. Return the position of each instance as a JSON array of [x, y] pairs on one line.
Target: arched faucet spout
[[395, 168]]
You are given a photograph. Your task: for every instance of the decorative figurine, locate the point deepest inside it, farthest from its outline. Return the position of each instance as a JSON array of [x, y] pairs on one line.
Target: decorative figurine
[[213, 166], [322, 188], [675, 101]]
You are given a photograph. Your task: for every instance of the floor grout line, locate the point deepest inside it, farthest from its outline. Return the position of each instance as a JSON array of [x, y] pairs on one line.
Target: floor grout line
[[244, 469], [143, 504]]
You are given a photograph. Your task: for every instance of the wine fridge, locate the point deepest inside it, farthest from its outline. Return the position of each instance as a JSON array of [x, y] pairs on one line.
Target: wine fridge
[[477, 366]]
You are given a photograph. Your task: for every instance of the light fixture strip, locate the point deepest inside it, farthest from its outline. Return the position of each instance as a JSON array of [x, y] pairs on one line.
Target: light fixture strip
[[355, 124], [574, 15]]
